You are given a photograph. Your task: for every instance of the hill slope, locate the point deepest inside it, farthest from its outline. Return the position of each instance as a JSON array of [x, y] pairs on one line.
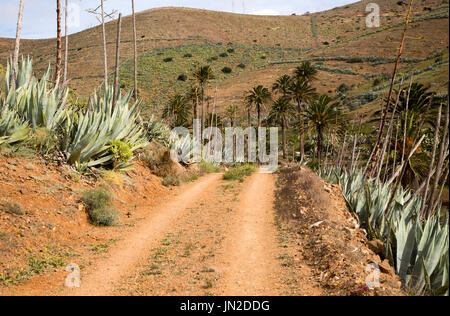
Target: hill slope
[[282, 41]]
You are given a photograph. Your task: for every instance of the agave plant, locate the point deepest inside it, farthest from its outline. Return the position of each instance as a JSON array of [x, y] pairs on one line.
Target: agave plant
[[418, 249], [33, 100], [91, 133], [12, 128], [157, 131]]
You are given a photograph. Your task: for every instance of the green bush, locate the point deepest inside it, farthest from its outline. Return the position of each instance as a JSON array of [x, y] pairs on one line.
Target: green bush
[[230, 50], [99, 207], [182, 77], [188, 55], [242, 66], [122, 152], [223, 55], [206, 167], [168, 59], [227, 70], [239, 173]]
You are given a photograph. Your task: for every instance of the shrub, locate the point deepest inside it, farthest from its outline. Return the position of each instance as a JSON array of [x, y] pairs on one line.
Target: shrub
[[182, 77], [12, 208], [239, 173], [171, 181], [263, 57], [230, 50], [188, 55], [343, 88], [214, 58], [206, 167], [223, 55], [168, 59], [99, 207], [242, 66], [227, 70]]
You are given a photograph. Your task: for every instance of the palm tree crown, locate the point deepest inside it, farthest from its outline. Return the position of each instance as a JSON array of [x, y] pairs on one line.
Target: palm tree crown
[[282, 85], [306, 71], [178, 110]]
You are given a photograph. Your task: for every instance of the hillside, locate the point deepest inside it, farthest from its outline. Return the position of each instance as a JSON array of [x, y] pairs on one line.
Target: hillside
[[267, 45]]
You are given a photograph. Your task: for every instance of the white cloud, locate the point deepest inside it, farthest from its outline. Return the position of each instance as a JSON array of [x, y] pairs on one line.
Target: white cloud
[[266, 12]]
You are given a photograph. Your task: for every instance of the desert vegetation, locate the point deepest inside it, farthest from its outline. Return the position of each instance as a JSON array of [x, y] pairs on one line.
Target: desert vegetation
[[381, 136]]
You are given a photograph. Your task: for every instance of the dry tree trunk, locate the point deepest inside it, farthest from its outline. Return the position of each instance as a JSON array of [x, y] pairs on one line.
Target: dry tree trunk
[[116, 77], [15, 62], [58, 41], [355, 142], [105, 55], [388, 104], [66, 53], [135, 52], [394, 163], [389, 132], [431, 167], [442, 152]]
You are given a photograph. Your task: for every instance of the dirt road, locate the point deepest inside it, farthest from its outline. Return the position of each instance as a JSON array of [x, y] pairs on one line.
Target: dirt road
[[212, 237]]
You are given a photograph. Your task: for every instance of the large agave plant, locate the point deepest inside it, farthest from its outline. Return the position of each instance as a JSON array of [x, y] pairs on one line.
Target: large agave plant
[[418, 249], [91, 133], [33, 100], [12, 129]]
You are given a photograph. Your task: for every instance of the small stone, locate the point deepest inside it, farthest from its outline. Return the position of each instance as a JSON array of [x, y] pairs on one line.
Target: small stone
[[376, 246]]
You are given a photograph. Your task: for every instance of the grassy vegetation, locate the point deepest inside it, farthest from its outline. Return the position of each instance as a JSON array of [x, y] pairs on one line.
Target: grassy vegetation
[[99, 207], [159, 80], [238, 173]]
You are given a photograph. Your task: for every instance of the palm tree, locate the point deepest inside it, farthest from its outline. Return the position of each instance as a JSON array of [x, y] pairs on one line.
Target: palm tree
[[230, 114], [178, 110], [16, 48], [258, 96], [306, 71], [282, 110], [321, 113], [302, 92], [193, 95], [282, 85], [203, 75]]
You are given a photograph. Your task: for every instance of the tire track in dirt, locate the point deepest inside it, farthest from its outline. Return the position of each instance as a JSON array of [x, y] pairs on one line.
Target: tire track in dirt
[[251, 251], [126, 254]]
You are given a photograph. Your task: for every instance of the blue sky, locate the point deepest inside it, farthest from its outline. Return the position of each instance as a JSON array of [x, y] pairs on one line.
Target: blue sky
[[40, 16]]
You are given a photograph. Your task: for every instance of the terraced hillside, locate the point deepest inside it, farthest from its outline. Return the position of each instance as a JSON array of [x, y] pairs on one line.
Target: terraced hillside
[[267, 46]]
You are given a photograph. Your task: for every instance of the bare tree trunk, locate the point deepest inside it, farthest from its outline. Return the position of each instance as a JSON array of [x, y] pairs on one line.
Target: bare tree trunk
[[105, 55], [431, 167], [438, 199], [388, 104], [116, 77], [66, 38], [135, 52], [15, 62], [355, 142], [58, 41], [283, 127], [301, 134], [394, 164], [442, 151]]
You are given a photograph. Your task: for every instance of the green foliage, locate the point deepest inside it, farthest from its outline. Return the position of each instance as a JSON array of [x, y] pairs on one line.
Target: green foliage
[[206, 167], [178, 111], [43, 141], [157, 131], [223, 55], [89, 133], [239, 173], [99, 207], [122, 152], [168, 59], [227, 70], [12, 128], [417, 248], [33, 100]]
